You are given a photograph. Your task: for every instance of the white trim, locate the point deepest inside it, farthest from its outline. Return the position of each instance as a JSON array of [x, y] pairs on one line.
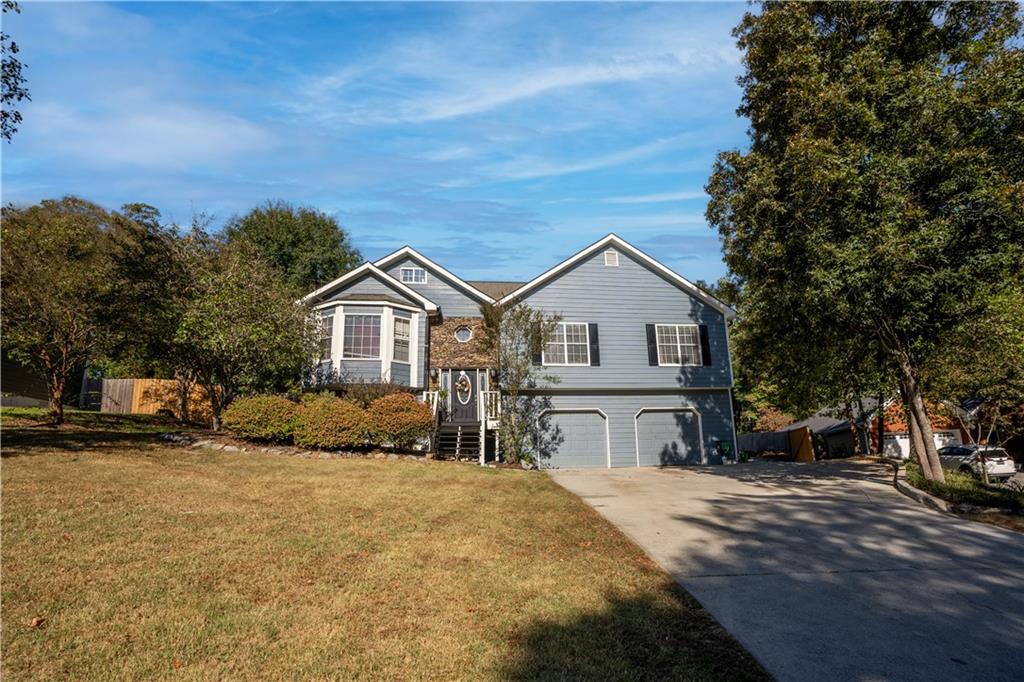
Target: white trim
[[467, 328], [370, 268], [732, 415], [565, 345], [607, 431], [380, 345], [681, 408], [387, 331], [414, 348], [613, 261], [338, 342], [414, 270], [408, 251], [679, 346], [378, 304], [613, 239], [393, 337]]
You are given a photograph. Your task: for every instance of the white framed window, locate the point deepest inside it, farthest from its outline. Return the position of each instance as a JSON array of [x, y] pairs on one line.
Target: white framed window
[[569, 345], [326, 335], [414, 276], [362, 337], [611, 259], [402, 326], [678, 344], [463, 334]]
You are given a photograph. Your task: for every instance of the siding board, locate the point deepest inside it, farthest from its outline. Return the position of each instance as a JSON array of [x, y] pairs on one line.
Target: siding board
[[622, 301], [452, 300]]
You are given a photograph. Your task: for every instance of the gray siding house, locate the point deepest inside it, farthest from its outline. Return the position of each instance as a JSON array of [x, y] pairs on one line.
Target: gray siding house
[[642, 354]]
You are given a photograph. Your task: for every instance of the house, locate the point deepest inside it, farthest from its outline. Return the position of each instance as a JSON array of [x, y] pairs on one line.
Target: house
[[642, 354], [833, 437]]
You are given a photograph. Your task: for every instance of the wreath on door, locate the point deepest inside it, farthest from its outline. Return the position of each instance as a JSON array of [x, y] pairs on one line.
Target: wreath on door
[[463, 389]]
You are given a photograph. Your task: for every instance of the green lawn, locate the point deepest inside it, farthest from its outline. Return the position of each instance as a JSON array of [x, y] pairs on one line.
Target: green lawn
[[147, 560]]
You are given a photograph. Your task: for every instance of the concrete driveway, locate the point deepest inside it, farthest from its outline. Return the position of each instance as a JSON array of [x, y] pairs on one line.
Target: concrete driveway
[[824, 571]]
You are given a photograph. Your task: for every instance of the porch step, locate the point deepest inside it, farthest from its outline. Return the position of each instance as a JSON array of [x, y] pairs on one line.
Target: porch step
[[458, 440]]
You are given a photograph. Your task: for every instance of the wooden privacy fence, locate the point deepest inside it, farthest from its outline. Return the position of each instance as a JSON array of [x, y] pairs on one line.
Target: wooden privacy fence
[[796, 442], [764, 441], [152, 396]]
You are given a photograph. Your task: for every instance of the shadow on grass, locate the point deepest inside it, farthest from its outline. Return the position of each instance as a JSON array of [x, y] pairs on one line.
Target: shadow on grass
[[21, 442], [26, 431], [667, 636]]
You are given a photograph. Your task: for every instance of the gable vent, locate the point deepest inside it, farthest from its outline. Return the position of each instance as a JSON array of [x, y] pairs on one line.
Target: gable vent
[[611, 259]]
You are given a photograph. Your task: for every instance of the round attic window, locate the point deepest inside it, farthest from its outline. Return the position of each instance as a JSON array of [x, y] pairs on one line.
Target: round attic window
[[463, 334]]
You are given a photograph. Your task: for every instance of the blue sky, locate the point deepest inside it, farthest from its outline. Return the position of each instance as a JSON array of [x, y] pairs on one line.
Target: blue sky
[[497, 139]]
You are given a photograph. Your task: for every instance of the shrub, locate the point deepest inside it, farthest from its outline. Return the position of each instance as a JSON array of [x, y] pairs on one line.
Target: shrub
[[400, 420], [964, 488], [262, 417], [365, 392], [331, 423]]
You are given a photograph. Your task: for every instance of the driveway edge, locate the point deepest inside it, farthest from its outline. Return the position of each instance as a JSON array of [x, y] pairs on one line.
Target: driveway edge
[[922, 497]]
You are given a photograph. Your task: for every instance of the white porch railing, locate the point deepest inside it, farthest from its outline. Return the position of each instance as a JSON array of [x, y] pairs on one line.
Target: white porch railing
[[490, 408], [430, 398]]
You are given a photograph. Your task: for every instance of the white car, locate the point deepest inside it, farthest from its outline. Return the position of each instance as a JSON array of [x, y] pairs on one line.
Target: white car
[[970, 458]]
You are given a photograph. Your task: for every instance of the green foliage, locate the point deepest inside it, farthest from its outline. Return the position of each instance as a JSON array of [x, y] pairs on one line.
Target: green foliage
[[305, 245], [12, 88], [262, 417], [242, 332], [365, 392], [984, 358], [963, 488], [331, 424], [517, 333], [400, 420], [881, 202], [57, 279], [148, 294]]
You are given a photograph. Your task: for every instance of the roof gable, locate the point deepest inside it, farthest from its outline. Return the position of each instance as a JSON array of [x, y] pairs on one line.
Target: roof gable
[[370, 270], [437, 270], [617, 242]]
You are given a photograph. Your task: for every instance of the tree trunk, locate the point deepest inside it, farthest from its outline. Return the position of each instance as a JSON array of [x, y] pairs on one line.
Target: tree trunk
[[918, 414], [184, 389], [56, 383], [881, 424], [917, 446], [854, 431]]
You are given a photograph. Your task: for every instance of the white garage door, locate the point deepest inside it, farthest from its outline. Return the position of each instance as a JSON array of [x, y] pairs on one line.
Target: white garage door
[[668, 437], [898, 444], [580, 439]]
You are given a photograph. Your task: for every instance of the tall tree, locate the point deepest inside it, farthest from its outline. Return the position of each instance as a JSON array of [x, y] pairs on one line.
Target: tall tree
[[241, 330], [881, 201], [56, 281], [517, 334], [982, 360], [145, 301], [12, 82], [305, 245]]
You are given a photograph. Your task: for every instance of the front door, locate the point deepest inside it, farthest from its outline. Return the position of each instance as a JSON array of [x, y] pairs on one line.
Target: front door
[[464, 395]]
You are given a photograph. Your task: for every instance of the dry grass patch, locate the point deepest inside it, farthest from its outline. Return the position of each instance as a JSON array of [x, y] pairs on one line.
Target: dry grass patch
[[150, 561]]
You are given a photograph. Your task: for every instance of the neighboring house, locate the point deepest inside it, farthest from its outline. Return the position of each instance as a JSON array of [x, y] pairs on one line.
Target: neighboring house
[[642, 354], [834, 437]]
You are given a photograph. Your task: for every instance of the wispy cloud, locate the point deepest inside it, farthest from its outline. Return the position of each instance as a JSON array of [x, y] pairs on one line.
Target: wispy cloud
[[529, 168], [501, 89], [655, 198], [150, 133]]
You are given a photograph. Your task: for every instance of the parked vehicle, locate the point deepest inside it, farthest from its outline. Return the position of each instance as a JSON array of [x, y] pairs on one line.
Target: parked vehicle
[[971, 458]]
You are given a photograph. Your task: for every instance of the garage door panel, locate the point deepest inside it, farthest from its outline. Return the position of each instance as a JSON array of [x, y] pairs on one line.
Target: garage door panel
[[579, 440], [668, 437]]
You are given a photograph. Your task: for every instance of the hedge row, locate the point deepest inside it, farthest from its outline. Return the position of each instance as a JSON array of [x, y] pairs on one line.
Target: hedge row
[[329, 423]]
